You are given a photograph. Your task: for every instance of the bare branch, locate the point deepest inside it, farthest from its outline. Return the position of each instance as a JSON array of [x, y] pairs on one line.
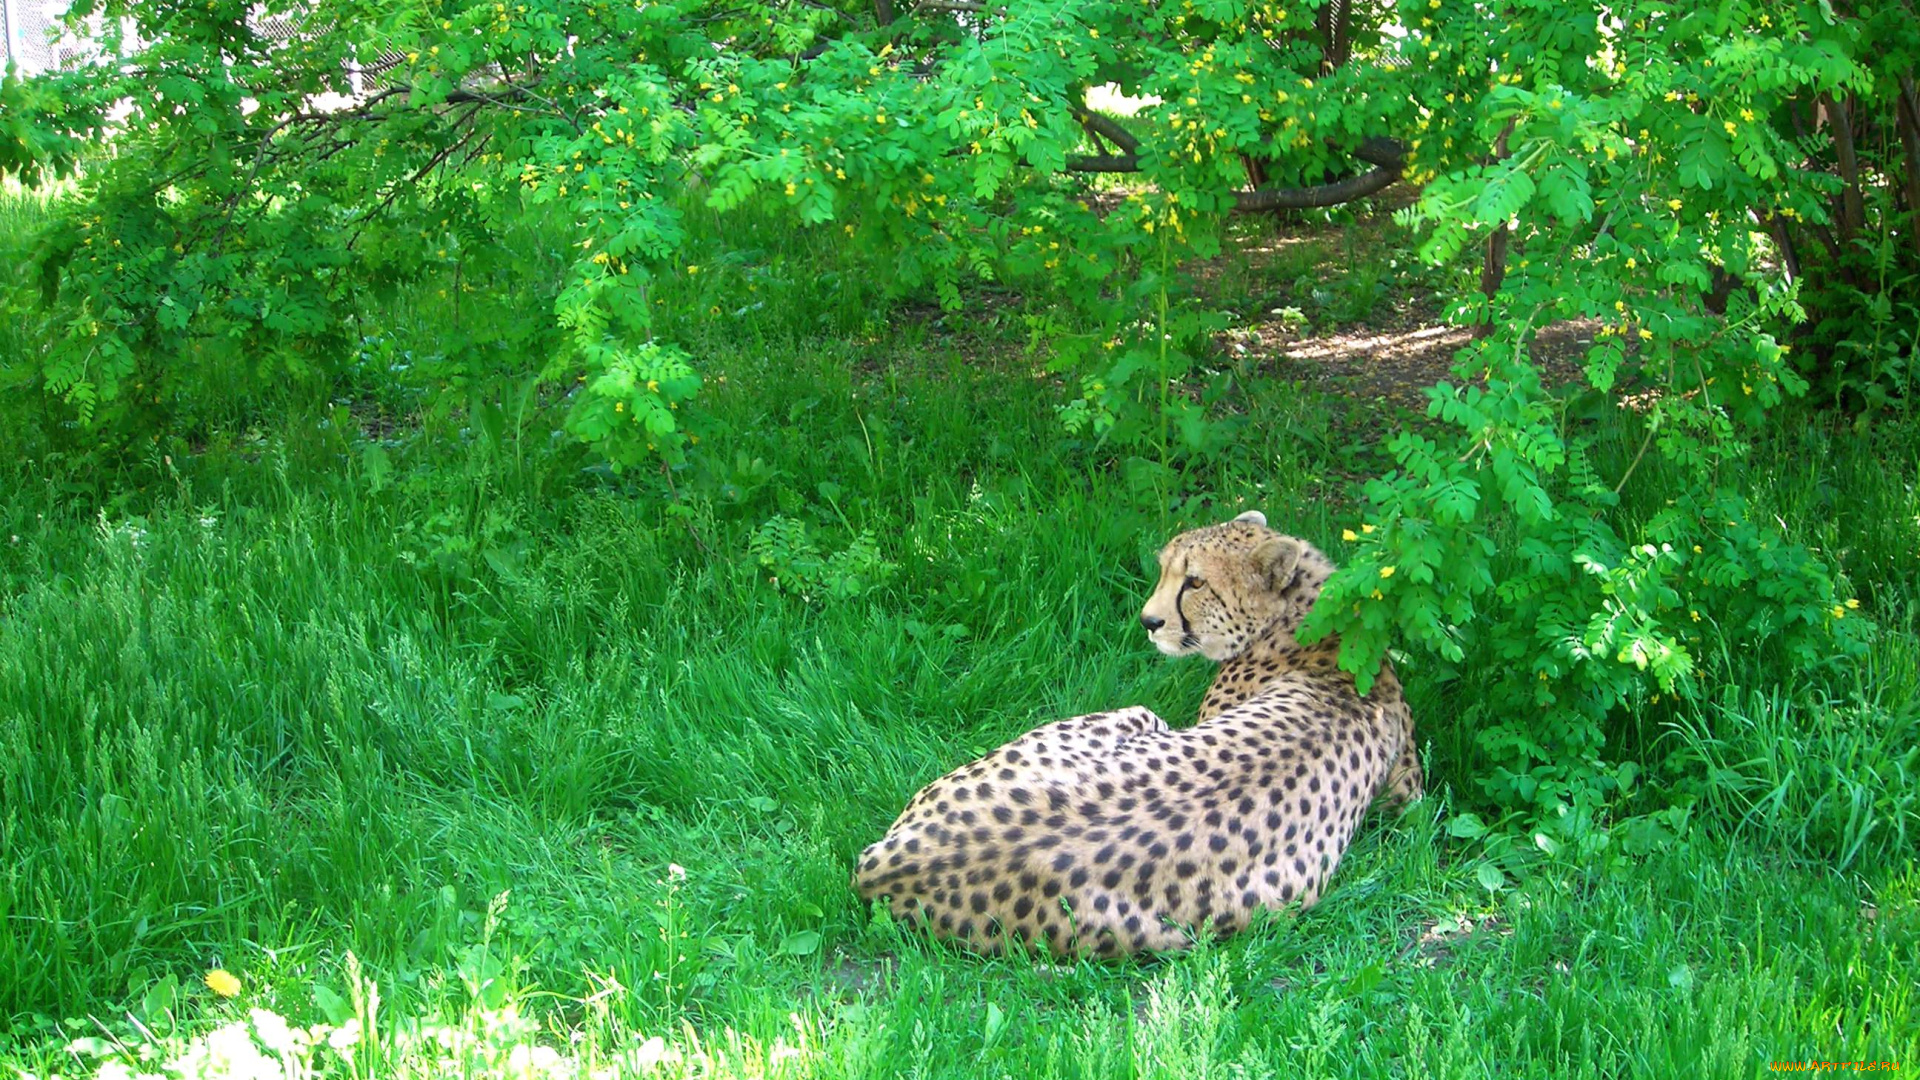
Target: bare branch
[[1387, 155], [1109, 129], [1340, 191]]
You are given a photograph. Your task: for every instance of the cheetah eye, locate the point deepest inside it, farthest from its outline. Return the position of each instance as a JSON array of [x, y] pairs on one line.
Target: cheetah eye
[[1194, 582]]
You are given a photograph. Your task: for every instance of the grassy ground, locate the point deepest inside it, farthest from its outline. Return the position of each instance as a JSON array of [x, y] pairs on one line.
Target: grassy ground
[[493, 765]]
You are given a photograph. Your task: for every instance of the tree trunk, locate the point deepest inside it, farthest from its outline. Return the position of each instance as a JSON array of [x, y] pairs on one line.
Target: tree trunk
[[1493, 269], [1853, 213], [1906, 112]]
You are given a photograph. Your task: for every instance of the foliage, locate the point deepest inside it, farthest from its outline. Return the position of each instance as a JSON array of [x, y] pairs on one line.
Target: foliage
[[260, 190], [1617, 164], [785, 549], [1618, 153]]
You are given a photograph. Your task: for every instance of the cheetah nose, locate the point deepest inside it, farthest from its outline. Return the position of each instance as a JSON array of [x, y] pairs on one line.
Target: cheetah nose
[[1151, 622]]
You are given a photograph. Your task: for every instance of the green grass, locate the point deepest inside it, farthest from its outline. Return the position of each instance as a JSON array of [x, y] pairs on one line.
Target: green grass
[[543, 758]]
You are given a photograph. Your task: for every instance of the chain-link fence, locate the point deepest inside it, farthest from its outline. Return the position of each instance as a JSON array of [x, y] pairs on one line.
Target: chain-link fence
[[34, 42], [30, 29]]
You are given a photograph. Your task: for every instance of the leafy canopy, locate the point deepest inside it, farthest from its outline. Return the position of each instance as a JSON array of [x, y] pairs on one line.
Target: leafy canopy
[[1640, 164]]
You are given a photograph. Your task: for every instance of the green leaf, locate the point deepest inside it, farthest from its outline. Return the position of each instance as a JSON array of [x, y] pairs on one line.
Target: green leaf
[[1490, 877], [801, 943], [333, 1006], [1502, 197], [996, 1023], [1466, 826]]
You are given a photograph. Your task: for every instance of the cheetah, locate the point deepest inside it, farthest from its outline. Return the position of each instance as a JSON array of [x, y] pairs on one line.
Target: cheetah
[[1113, 834]]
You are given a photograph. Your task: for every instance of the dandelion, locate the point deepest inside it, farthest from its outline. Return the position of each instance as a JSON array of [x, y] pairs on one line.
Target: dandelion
[[223, 982]]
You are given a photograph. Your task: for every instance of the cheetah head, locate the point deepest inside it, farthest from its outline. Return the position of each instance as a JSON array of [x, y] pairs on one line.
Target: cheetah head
[[1224, 586]]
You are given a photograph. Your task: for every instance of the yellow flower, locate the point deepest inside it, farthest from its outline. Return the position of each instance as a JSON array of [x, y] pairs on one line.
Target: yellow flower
[[1673, 204], [1695, 614], [1730, 126], [1696, 549], [1853, 605], [1348, 535], [1386, 571], [1378, 595], [619, 406], [223, 982], [1092, 32], [1839, 612], [1366, 529], [653, 386], [693, 268], [1747, 115]]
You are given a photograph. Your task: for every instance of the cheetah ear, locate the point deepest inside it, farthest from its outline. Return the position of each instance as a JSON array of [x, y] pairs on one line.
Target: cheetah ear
[[1254, 516], [1278, 557]]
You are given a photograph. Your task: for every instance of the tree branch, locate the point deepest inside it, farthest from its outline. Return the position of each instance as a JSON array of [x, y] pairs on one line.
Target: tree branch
[[1388, 156], [1333, 194], [1109, 129], [1493, 269]]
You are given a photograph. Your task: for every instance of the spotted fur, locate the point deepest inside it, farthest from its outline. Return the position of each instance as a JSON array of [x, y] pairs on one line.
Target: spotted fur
[[1112, 833]]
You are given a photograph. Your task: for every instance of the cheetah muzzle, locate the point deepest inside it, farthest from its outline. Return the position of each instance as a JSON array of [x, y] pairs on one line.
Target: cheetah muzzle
[[1112, 834]]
